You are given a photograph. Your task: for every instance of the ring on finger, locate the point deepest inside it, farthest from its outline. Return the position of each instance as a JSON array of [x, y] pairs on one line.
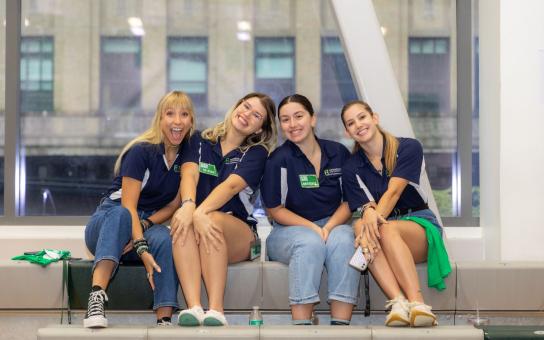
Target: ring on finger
[[148, 275]]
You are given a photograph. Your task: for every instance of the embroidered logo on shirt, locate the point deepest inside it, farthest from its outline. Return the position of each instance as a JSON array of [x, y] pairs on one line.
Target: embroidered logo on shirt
[[333, 171], [177, 168], [233, 160]]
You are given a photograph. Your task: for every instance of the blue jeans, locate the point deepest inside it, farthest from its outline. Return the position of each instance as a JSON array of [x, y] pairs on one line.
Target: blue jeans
[[306, 254], [110, 229]]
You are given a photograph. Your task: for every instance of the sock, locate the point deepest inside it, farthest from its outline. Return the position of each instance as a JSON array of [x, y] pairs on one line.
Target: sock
[[302, 322], [96, 288], [339, 322]]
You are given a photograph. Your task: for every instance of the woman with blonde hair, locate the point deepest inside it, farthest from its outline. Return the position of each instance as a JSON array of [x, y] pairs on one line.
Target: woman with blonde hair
[[215, 226], [396, 229], [127, 223]]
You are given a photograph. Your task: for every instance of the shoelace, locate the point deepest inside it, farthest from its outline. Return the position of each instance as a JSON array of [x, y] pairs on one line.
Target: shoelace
[[96, 303], [399, 300]]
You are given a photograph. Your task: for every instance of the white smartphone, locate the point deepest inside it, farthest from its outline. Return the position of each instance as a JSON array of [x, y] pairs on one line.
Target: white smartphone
[[358, 260]]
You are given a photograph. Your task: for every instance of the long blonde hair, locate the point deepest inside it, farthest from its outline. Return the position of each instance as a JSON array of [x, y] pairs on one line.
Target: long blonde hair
[[267, 137], [391, 142], [153, 135]]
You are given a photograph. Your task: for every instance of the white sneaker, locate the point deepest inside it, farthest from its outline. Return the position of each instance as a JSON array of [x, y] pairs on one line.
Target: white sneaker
[[191, 317], [398, 316], [215, 318], [96, 316], [421, 315]]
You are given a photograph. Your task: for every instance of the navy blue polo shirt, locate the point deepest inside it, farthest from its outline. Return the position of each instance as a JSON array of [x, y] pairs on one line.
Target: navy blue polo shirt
[[362, 183], [214, 168], [147, 163], [284, 182]]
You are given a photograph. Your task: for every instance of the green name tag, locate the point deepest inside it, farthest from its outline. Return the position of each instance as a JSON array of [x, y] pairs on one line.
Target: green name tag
[[255, 249], [308, 181], [208, 169]]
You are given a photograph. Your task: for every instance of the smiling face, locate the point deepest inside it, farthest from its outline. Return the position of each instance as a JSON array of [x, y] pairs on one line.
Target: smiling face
[[361, 125], [248, 117], [176, 122], [296, 122]]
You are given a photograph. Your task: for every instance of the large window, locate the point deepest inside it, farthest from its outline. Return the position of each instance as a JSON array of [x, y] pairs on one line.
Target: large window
[[120, 74], [336, 84], [91, 82], [36, 74], [188, 68], [275, 67]]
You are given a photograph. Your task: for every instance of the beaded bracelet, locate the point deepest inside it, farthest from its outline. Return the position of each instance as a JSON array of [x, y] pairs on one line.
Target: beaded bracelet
[[141, 246]]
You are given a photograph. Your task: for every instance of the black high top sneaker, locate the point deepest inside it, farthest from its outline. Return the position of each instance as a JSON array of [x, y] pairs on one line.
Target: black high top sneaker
[[96, 316]]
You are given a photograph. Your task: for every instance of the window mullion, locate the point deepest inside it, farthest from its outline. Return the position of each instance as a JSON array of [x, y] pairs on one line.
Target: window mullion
[[12, 125], [464, 105]]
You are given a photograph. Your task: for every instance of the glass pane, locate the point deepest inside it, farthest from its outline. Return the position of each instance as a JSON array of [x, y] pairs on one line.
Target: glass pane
[[185, 69], [274, 68], [2, 98], [188, 46], [421, 44], [100, 75]]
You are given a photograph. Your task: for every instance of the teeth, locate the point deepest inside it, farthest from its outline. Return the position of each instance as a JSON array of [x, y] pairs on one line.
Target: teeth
[[177, 129]]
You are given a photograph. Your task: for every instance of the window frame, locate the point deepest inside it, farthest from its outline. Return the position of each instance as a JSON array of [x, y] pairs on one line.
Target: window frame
[[266, 81], [42, 56]]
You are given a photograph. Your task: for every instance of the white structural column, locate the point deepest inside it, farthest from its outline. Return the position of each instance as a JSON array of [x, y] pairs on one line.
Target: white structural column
[[371, 69], [512, 120]]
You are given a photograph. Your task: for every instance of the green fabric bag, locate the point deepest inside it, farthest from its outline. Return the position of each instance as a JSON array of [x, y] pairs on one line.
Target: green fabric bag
[[44, 257], [438, 263]]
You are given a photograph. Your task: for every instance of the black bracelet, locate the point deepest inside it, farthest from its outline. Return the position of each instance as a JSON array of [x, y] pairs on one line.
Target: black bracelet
[[141, 246]]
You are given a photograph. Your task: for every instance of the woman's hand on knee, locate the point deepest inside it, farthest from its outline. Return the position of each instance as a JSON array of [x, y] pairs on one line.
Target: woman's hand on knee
[[181, 223], [371, 221], [150, 267], [209, 233]]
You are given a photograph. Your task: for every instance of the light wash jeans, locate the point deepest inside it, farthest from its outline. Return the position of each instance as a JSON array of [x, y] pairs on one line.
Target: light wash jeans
[[306, 254], [110, 229]]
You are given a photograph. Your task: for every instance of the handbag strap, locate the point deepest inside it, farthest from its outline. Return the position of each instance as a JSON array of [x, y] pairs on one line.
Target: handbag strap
[[367, 292], [65, 294]]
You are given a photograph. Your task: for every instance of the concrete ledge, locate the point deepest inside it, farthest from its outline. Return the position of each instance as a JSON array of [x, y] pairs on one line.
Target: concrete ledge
[[500, 286], [265, 332], [441, 332], [29, 286], [488, 286], [57, 332], [204, 333], [316, 332]]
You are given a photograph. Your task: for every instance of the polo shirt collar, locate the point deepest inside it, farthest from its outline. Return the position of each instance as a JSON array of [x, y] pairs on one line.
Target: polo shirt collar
[[163, 151], [298, 152], [364, 158]]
